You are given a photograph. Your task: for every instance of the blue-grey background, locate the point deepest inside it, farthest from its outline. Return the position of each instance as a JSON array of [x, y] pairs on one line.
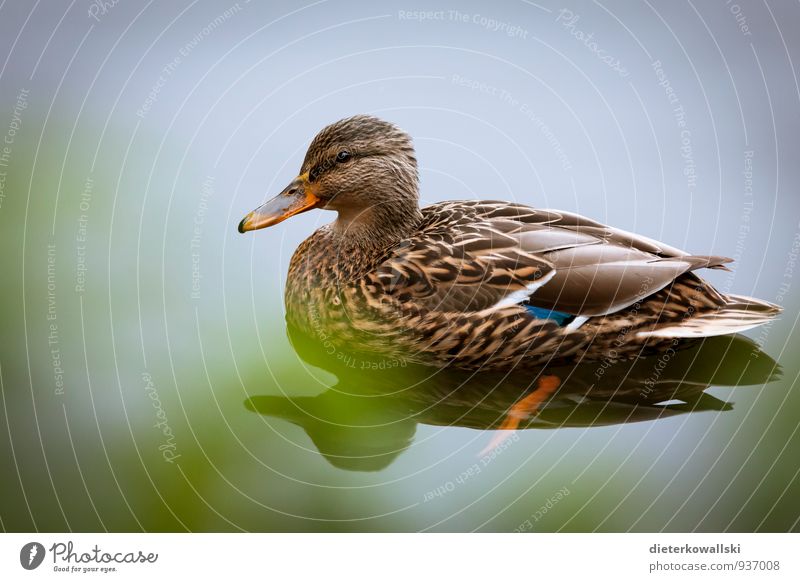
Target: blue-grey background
[[140, 134]]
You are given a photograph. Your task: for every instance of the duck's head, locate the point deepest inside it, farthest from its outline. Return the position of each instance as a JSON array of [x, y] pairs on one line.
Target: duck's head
[[362, 167]]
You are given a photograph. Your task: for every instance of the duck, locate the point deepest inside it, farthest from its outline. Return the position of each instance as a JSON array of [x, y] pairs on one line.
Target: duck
[[478, 284]]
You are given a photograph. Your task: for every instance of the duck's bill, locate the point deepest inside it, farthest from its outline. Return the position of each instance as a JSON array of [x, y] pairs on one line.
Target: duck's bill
[[296, 198]]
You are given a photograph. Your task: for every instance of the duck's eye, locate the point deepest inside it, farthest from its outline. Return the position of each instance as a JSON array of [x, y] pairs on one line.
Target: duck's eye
[[342, 156]]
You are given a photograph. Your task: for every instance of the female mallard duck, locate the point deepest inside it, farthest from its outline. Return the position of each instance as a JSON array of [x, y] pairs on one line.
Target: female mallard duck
[[478, 284]]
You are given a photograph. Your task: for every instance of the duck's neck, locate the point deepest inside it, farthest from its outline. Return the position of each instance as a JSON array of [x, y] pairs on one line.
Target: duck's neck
[[374, 229]]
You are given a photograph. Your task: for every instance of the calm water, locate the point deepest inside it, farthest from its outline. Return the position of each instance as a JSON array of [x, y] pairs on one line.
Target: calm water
[[148, 380]]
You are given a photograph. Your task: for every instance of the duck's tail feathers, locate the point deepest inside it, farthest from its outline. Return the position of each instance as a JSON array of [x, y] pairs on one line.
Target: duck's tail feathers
[[708, 262], [738, 314]]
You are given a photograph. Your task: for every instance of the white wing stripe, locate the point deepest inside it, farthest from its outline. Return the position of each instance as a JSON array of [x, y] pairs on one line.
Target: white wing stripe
[[521, 295]]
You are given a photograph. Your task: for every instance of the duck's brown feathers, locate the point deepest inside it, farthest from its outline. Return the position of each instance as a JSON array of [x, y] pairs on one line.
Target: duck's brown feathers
[[470, 255], [460, 287]]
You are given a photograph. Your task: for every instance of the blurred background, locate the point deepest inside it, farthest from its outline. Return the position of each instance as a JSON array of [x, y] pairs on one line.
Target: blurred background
[[138, 325]]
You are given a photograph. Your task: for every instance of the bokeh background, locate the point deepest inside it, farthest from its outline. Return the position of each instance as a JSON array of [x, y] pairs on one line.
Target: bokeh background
[[136, 321]]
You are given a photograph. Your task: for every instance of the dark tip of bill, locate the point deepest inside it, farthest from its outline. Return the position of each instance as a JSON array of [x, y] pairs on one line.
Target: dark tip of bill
[[241, 225]]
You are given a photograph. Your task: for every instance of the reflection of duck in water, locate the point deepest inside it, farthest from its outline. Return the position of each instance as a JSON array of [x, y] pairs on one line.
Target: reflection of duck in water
[[478, 284], [370, 416]]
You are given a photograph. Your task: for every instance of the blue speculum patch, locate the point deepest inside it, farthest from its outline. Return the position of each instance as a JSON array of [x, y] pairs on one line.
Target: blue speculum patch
[[559, 317]]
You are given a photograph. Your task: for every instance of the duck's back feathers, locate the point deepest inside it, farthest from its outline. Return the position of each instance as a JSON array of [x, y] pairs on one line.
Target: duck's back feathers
[[471, 256]]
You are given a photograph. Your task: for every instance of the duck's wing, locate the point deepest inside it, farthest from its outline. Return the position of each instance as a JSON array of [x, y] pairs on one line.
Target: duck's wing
[[473, 256]]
